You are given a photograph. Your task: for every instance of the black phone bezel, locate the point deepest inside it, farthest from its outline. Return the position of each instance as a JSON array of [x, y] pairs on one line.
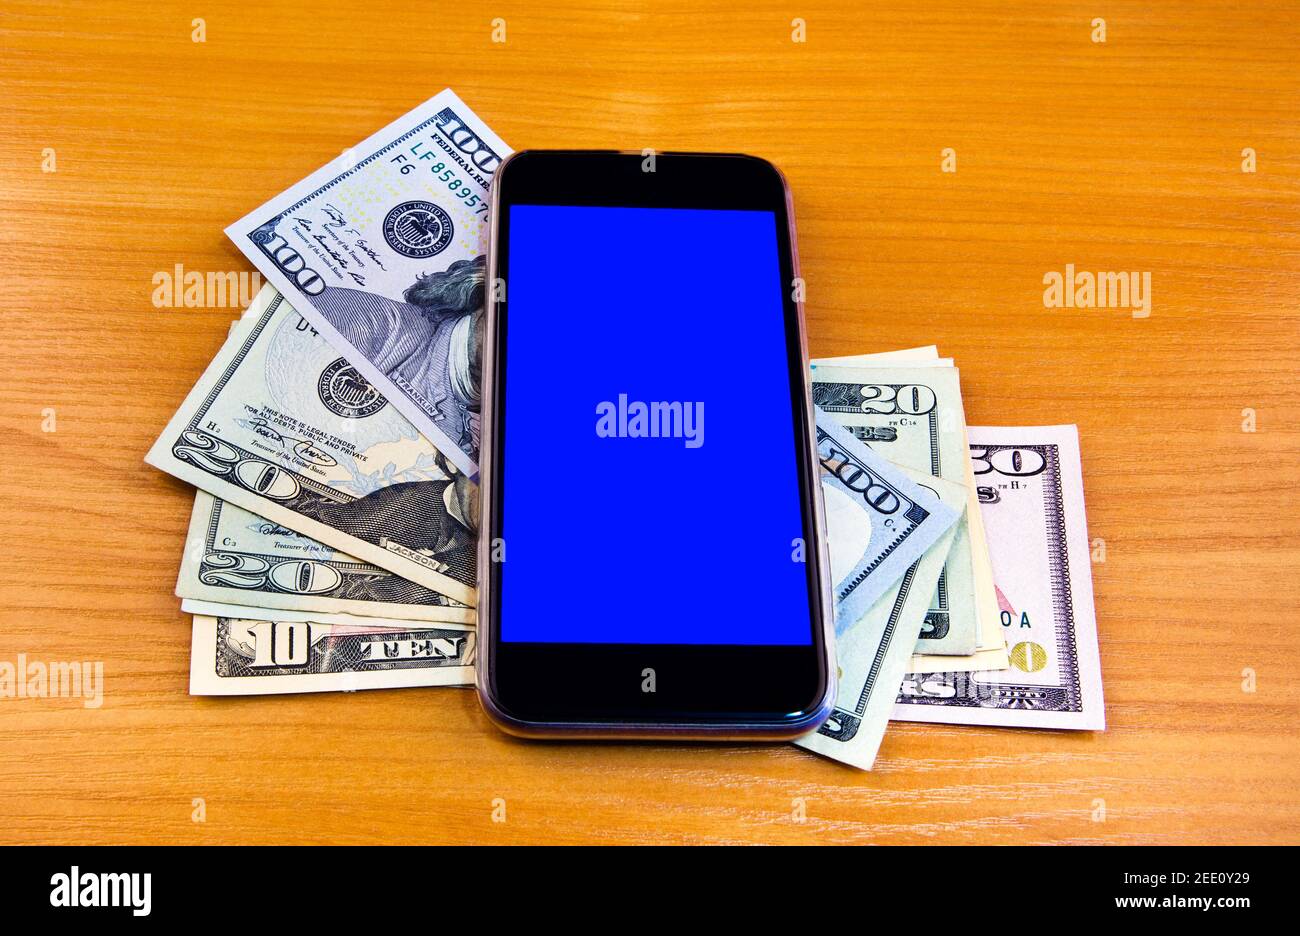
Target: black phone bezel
[[551, 686]]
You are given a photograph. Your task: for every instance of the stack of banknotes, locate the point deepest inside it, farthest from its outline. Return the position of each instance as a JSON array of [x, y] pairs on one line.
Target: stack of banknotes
[[334, 444]]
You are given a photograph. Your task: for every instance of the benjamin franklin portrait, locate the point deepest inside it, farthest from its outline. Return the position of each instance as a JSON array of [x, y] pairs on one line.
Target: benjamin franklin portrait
[[430, 345]]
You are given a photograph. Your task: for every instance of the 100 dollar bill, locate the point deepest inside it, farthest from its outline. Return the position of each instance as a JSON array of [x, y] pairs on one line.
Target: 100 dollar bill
[[879, 520], [284, 427], [913, 417], [873, 653], [236, 656], [238, 558], [991, 651], [382, 251]]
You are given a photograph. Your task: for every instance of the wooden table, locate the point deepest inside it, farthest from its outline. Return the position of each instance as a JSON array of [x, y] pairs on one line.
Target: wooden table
[[1122, 155]]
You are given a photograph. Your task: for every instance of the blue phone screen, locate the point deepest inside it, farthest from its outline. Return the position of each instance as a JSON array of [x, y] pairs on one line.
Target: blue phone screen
[[651, 479]]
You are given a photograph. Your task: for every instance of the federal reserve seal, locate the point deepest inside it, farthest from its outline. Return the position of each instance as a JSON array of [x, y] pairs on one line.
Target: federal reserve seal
[[346, 393], [418, 229]]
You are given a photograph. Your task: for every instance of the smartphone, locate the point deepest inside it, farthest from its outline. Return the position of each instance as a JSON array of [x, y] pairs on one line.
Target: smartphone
[[652, 559]]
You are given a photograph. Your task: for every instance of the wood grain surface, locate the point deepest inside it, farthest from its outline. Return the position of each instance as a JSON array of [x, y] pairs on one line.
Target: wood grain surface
[[1122, 155]]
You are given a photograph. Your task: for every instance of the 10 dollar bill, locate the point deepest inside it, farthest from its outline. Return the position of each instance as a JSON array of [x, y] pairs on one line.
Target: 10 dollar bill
[[238, 656]]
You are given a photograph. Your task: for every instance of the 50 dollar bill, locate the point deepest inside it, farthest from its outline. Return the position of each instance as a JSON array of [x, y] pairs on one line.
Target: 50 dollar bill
[[1030, 489]]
